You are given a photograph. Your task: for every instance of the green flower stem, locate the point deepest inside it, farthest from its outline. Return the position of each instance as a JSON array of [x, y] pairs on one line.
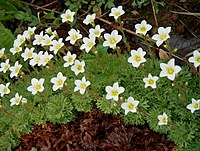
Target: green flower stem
[[94, 94]]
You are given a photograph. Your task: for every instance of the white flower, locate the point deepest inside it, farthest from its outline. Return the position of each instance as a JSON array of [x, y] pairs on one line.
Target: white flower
[[169, 70], [116, 12], [195, 58], [48, 31], [4, 66], [114, 91], [58, 81], [137, 57], [130, 105], [195, 105], [36, 86], [2, 52], [28, 53], [19, 41], [88, 43], [15, 49], [29, 32], [45, 58], [4, 89], [150, 81], [81, 85], [47, 40], [89, 19], [78, 67], [56, 45], [73, 36], [96, 31], [16, 100], [36, 59], [69, 58], [38, 39], [163, 35], [112, 39], [163, 119], [15, 69], [68, 16], [24, 101], [143, 28]]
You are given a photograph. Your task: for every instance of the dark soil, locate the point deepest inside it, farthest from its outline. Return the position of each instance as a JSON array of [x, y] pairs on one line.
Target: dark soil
[[94, 131]]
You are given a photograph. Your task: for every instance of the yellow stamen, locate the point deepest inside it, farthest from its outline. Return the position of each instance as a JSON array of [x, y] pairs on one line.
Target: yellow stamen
[[170, 70], [131, 106], [114, 92], [151, 81]]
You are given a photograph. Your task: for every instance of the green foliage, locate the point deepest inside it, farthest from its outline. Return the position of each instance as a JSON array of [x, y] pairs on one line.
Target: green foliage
[[6, 37]]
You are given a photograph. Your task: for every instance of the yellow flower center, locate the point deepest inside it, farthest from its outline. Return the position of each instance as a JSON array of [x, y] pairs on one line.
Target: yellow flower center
[[164, 120], [17, 70], [6, 67], [48, 42], [113, 41], [17, 49], [83, 86], [143, 28], [75, 37], [151, 81], [37, 59], [46, 60], [117, 14], [137, 58], [96, 32], [198, 59], [114, 92], [131, 106], [60, 82], [170, 70], [17, 101], [79, 67], [29, 54], [68, 17], [70, 59], [38, 87], [163, 37], [196, 105], [58, 46], [90, 44], [5, 90]]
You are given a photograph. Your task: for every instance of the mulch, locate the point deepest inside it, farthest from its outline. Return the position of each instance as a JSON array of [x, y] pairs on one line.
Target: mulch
[[94, 131]]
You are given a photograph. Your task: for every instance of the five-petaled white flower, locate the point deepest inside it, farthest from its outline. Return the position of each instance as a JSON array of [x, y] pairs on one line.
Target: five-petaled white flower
[[2, 52], [88, 43], [19, 41], [69, 58], [4, 66], [96, 31], [45, 58], [74, 35], [28, 53], [130, 105], [38, 39], [29, 32], [195, 58], [4, 89], [67, 16], [163, 119], [36, 59], [78, 67], [163, 35], [36, 86], [114, 91], [47, 40], [112, 39], [15, 49], [137, 57], [58, 81], [89, 19], [81, 85], [150, 81], [143, 27], [195, 105], [116, 12], [169, 70], [56, 45], [15, 69], [15, 100]]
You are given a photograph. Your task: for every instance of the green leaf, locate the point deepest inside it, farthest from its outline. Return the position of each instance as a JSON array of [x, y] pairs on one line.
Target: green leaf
[[6, 37]]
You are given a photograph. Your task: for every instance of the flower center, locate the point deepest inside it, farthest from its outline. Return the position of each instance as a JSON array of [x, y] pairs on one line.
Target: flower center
[[48, 42], [17, 101], [131, 106], [17, 70], [17, 49], [196, 106], [37, 59], [163, 37], [143, 28], [114, 92], [46, 60], [164, 120], [113, 41], [74, 37], [5, 89], [70, 59], [97, 33], [117, 14], [198, 59], [68, 17], [83, 86], [137, 58], [6, 67], [30, 54], [151, 81], [38, 87], [60, 82], [90, 44], [170, 70], [79, 67]]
